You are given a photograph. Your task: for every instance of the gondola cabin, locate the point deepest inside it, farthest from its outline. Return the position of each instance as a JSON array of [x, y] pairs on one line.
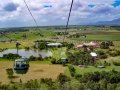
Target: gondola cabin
[[21, 64]]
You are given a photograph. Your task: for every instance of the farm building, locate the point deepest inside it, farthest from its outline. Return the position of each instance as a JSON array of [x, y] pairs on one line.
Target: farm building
[[91, 44], [94, 56], [54, 45]]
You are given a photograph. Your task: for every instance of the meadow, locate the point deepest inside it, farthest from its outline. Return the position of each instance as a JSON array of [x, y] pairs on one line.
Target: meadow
[[37, 70], [44, 69]]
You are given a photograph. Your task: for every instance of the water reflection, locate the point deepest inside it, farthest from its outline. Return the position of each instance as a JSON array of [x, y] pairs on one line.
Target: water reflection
[[27, 54]]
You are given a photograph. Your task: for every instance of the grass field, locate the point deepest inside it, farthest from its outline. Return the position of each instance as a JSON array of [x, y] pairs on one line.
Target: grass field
[[37, 70], [99, 35], [44, 69], [33, 35], [82, 70]]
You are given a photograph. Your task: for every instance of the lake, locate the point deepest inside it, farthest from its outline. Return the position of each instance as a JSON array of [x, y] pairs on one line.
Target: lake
[[27, 53]]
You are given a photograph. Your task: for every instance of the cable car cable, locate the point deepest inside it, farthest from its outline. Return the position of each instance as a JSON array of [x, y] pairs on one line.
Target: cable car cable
[[32, 16], [68, 20], [30, 13]]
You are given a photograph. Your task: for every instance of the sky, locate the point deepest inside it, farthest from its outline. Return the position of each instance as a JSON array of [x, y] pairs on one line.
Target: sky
[[13, 13]]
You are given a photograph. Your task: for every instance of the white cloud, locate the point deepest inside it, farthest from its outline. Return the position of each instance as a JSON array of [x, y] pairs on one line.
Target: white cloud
[[56, 11]]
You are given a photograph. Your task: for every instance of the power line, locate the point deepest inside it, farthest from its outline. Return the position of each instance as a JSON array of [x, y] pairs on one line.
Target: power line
[[68, 20]]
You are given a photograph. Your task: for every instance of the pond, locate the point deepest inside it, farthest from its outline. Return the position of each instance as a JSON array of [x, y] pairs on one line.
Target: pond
[[27, 53]]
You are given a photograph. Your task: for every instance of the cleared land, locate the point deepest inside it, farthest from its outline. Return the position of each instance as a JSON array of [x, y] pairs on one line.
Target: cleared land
[[45, 69], [37, 70]]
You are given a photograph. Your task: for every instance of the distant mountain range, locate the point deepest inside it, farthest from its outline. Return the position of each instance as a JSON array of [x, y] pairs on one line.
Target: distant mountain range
[[113, 22]]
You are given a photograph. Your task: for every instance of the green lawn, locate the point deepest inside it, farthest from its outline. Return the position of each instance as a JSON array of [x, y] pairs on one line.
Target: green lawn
[[100, 37], [82, 70]]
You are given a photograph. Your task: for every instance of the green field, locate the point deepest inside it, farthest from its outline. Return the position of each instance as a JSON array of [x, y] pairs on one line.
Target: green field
[[98, 37], [50, 70]]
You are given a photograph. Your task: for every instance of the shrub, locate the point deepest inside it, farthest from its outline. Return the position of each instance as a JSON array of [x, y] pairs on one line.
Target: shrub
[[114, 52], [72, 70], [106, 63], [69, 46], [32, 58], [47, 81], [59, 61], [27, 48], [78, 76], [104, 45], [102, 54], [110, 43], [53, 61], [63, 78], [11, 56], [116, 63]]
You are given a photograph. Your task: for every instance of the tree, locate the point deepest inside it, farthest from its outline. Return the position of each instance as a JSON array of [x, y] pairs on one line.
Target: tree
[[69, 46], [72, 70], [104, 45], [79, 58]]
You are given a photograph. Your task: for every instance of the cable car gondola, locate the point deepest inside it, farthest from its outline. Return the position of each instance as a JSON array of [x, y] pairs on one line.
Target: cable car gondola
[[21, 66]]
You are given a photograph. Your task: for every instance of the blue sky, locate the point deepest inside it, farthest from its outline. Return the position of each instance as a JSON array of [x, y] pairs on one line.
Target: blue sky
[[13, 13]]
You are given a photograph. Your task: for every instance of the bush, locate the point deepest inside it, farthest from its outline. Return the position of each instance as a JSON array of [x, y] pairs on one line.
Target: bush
[[104, 45], [78, 76], [27, 48], [62, 78], [47, 81], [72, 70], [114, 53], [106, 63], [32, 58], [110, 43], [53, 61], [102, 54], [116, 63], [11, 56], [69, 46], [59, 61], [39, 58]]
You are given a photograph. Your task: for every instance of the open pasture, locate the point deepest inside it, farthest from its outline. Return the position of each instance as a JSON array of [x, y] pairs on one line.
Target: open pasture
[[99, 36], [37, 70]]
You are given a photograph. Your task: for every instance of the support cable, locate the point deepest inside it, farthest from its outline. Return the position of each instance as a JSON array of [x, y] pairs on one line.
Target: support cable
[[68, 21]]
